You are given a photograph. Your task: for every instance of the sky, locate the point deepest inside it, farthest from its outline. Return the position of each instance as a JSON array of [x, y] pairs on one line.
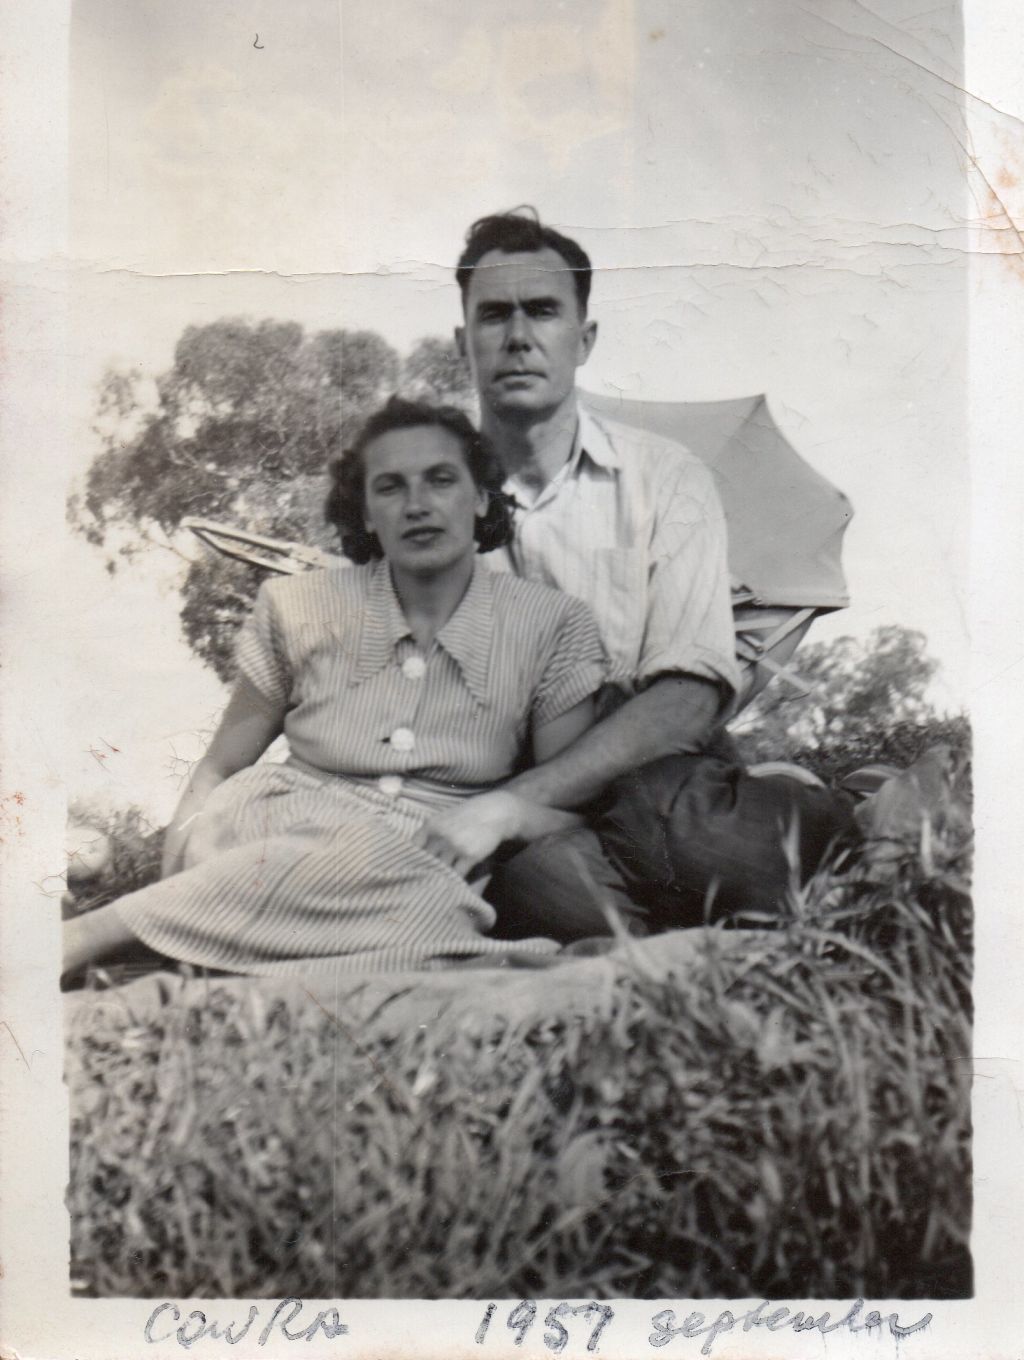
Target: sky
[[773, 195]]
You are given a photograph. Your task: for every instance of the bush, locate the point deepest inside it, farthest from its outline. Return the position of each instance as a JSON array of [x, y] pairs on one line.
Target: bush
[[135, 849], [898, 744]]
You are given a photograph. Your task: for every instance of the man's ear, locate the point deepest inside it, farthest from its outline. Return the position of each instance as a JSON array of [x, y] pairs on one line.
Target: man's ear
[[460, 341], [588, 339]]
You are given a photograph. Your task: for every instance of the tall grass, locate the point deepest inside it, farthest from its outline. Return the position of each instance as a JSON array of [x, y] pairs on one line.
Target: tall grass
[[790, 1116]]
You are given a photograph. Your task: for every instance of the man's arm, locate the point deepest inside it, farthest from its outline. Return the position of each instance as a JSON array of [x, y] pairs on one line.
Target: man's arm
[[672, 716]]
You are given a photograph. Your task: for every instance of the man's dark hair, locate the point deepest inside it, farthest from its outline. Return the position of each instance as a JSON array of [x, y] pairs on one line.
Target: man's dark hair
[[346, 507], [522, 230]]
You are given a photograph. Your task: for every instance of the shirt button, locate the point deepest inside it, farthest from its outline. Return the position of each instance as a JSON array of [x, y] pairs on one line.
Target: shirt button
[[402, 739], [391, 784], [414, 668]]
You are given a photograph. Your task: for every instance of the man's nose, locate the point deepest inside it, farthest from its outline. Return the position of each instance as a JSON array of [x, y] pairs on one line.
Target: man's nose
[[517, 335]]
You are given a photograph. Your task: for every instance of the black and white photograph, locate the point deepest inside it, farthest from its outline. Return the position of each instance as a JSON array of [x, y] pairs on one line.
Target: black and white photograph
[[513, 590]]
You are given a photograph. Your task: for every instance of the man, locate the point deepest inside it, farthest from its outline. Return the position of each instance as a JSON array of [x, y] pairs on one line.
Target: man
[[631, 524]]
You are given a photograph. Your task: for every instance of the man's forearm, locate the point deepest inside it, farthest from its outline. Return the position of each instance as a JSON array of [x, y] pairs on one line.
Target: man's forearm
[[673, 716]]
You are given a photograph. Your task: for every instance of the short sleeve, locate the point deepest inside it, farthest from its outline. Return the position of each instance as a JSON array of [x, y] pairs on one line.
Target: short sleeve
[[259, 651], [689, 626], [576, 666]]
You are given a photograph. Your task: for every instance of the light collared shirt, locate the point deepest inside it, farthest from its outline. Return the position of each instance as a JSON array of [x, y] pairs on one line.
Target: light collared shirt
[[632, 525]]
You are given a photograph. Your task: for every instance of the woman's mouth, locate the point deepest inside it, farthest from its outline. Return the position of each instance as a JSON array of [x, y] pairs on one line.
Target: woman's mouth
[[421, 535]]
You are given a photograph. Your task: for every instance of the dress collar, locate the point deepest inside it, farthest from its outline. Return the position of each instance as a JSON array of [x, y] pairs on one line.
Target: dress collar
[[466, 637], [383, 624]]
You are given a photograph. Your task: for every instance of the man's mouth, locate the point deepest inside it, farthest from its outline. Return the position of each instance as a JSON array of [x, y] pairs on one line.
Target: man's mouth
[[518, 373]]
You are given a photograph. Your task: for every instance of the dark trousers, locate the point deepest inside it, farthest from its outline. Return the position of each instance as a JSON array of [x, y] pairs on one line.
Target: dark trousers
[[683, 841]]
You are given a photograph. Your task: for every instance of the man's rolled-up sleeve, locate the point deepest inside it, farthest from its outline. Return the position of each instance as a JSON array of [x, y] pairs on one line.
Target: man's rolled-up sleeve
[[689, 628]]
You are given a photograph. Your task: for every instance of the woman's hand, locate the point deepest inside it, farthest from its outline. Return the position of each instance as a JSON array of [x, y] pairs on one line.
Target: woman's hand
[[465, 835]]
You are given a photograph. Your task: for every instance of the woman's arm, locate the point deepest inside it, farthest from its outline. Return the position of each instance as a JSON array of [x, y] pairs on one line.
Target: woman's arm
[[248, 725], [554, 736], [464, 836]]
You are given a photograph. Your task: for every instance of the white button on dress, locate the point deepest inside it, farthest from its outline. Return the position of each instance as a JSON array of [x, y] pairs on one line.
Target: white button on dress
[[391, 784], [402, 739], [414, 668]]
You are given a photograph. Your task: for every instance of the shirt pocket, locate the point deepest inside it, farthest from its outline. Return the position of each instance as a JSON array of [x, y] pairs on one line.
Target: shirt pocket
[[617, 594]]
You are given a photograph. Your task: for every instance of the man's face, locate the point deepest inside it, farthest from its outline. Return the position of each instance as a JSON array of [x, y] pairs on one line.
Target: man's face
[[524, 335], [420, 499]]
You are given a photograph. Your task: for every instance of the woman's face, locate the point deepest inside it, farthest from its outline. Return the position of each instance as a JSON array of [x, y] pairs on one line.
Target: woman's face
[[420, 499]]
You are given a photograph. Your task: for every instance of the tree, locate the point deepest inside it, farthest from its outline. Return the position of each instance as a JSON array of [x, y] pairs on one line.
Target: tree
[[866, 704], [435, 370], [241, 429]]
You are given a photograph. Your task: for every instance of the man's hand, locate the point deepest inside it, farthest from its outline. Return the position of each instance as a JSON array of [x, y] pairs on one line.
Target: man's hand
[[465, 835]]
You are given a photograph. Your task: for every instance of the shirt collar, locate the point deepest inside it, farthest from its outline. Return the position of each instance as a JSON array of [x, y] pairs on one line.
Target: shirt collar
[[593, 440], [466, 637]]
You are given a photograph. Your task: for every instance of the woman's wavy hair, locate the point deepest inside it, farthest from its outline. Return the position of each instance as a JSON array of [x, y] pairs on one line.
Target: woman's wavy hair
[[346, 506]]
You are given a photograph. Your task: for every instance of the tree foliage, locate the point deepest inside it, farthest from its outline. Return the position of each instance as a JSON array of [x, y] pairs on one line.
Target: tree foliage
[[435, 370], [866, 705], [241, 430]]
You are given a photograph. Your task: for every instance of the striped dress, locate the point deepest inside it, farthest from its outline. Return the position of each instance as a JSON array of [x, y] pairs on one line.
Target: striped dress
[[308, 865]]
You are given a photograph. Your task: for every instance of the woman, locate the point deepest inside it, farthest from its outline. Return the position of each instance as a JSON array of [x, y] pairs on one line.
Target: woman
[[403, 684]]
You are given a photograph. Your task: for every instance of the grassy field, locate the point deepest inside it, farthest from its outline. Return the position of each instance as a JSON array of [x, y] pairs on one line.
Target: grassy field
[[790, 1118]]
